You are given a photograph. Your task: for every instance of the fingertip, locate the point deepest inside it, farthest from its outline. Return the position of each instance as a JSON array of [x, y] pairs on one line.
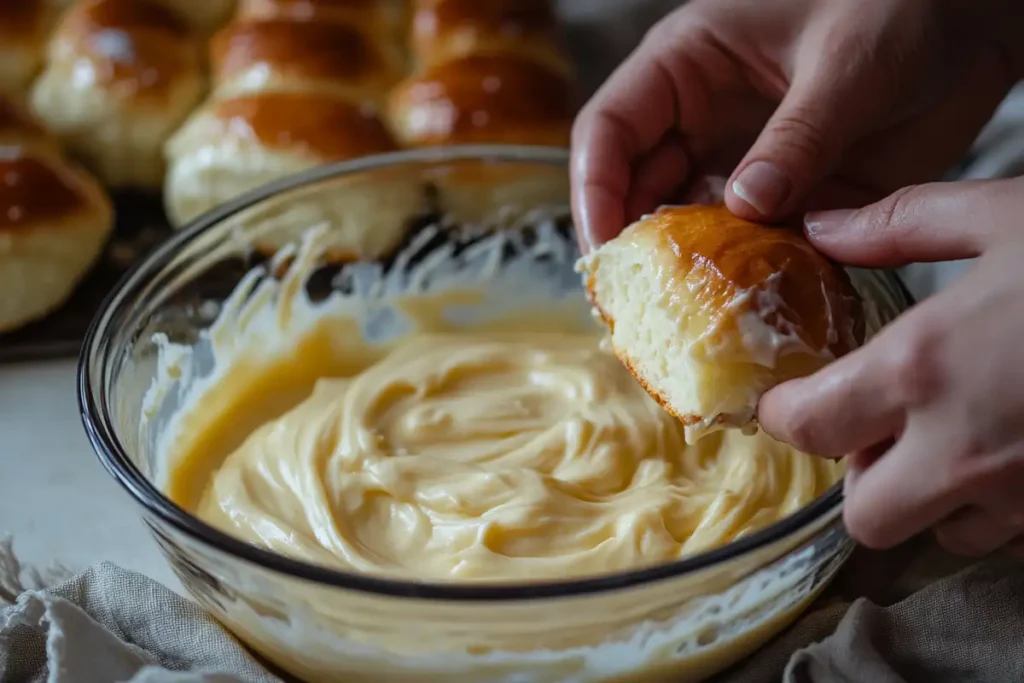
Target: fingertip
[[759, 190], [780, 415]]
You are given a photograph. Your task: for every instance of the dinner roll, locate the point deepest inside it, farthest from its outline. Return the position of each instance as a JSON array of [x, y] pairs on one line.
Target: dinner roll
[[281, 54], [484, 98], [54, 221], [120, 76], [447, 29], [23, 28], [233, 145], [384, 19], [709, 311]]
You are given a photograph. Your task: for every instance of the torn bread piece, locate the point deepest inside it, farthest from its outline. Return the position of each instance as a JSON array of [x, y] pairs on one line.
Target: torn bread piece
[[709, 311]]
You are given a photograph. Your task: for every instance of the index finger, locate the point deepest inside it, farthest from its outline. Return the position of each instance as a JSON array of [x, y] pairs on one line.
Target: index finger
[[624, 120]]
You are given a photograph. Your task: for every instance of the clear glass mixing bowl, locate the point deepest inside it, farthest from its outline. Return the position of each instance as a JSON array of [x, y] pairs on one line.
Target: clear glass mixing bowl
[[681, 621]]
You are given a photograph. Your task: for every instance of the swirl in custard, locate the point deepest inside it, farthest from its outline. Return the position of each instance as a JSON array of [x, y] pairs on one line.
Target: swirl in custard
[[503, 457]]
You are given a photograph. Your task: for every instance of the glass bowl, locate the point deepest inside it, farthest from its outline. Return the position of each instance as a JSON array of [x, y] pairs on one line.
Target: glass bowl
[[681, 621]]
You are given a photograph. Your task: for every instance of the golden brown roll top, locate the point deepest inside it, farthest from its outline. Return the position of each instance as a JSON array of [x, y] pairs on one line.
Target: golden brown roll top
[[54, 220], [443, 30], [261, 55], [383, 19], [319, 127], [488, 71], [233, 145], [709, 310], [120, 76], [484, 98], [23, 28]]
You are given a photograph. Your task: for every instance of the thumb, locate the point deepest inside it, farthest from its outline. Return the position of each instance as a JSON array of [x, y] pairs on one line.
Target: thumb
[[820, 116], [933, 222]]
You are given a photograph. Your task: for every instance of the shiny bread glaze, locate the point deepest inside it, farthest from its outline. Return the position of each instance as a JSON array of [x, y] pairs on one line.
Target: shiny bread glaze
[[135, 45], [33, 190], [305, 50], [328, 128], [729, 256], [484, 98], [447, 29], [306, 9]]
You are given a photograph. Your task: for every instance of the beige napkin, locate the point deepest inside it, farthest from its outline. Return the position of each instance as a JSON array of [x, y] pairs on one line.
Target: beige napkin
[[110, 625]]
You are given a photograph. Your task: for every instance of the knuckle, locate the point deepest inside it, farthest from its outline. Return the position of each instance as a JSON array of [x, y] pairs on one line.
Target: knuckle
[[803, 137], [915, 365]]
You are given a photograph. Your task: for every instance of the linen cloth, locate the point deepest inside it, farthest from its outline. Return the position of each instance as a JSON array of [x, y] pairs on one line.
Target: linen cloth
[[910, 621]]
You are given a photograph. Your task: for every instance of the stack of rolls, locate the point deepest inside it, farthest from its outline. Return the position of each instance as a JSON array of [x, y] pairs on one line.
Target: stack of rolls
[[295, 84], [485, 71], [54, 219], [119, 77]]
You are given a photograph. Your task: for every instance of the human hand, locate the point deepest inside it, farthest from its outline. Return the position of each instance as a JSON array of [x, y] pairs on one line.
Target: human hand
[[931, 410], [806, 103]]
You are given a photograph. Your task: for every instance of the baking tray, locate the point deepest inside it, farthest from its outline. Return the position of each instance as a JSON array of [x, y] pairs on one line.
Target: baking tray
[[140, 225]]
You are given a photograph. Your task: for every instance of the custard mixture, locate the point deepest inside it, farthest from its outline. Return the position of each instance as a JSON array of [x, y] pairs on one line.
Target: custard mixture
[[472, 456]]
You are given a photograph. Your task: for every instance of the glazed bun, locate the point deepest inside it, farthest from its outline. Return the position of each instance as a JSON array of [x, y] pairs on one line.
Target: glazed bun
[[488, 71], [709, 311], [23, 28], [481, 99], [234, 145], [264, 55], [443, 30], [295, 85], [120, 76], [383, 19], [54, 221]]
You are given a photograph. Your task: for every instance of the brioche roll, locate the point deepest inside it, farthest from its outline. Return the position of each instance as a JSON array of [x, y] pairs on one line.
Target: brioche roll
[[23, 28], [384, 19], [54, 221], [709, 311], [280, 54], [484, 98], [443, 30], [233, 145], [204, 16], [120, 76]]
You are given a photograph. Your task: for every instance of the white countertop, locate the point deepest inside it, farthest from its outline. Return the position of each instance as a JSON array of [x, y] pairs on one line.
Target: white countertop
[[56, 500]]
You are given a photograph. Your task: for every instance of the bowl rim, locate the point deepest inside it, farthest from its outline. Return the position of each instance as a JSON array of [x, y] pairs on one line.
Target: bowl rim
[[101, 432]]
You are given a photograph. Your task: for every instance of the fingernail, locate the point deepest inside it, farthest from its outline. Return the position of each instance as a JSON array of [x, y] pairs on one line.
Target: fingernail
[[762, 186], [818, 223]]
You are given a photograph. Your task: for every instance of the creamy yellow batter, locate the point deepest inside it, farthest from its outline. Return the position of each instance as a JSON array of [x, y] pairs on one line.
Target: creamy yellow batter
[[496, 456]]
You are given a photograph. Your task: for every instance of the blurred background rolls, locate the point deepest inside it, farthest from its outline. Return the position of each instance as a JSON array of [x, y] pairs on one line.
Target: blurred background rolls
[[486, 72], [120, 76], [294, 85], [54, 220]]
